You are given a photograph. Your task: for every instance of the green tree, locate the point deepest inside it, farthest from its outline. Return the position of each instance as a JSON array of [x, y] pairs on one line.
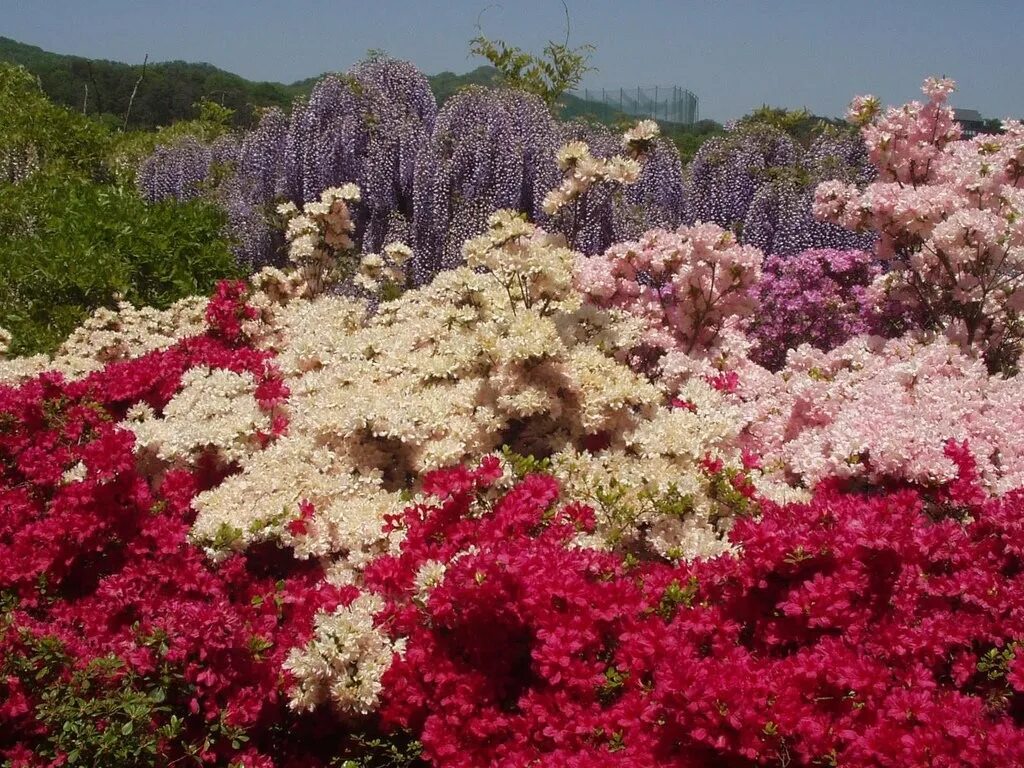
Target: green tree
[[35, 133], [550, 75]]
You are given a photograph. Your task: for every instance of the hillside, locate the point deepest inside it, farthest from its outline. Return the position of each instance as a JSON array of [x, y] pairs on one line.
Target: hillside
[[169, 89], [166, 94]]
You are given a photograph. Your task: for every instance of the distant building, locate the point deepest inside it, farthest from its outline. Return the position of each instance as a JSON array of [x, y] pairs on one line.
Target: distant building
[[972, 123]]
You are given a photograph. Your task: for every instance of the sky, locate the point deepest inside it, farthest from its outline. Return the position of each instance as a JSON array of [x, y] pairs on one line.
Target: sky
[[734, 54]]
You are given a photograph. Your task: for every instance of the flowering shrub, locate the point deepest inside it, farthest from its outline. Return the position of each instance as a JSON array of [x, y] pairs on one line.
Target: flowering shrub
[[317, 234], [879, 410], [120, 644], [583, 172], [683, 285], [543, 508], [506, 355], [759, 182], [949, 217], [428, 177], [815, 297], [853, 630]]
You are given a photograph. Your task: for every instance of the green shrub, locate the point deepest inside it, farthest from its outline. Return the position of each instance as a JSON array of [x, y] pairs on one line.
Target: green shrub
[[68, 246], [31, 126]]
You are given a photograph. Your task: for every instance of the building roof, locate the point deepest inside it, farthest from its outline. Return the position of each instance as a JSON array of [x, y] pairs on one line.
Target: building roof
[[968, 115]]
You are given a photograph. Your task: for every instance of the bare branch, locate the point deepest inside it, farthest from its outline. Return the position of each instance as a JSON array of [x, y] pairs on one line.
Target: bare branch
[[135, 90]]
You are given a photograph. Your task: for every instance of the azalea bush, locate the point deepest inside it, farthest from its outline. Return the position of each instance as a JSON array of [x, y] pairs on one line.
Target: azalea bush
[[851, 629], [121, 645], [949, 216], [455, 486], [816, 297]]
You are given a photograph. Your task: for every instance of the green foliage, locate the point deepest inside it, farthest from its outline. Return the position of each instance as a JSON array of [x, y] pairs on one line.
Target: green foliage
[[550, 75], [97, 719], [397, 750], [167, 93], [447, 84], [799, 124], [689, 138], [104, 713], [521, 465], [34, 130], [70, 245], [677, 595]]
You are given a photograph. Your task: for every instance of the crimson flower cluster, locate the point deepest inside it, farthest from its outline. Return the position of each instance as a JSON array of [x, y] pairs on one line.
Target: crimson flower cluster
[[853, 630], [98, 568]]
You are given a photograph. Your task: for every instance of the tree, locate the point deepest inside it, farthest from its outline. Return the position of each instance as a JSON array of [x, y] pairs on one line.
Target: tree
[[557, 70]]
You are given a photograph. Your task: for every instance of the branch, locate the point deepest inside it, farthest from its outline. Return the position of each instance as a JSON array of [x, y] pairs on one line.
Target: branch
[[135, 90]]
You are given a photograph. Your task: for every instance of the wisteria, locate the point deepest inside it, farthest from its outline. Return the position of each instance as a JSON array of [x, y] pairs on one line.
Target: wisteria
[[365, 127], [727, 172], [175, 171], [780, 220], [428, 178], [760, 182], [475, 164]]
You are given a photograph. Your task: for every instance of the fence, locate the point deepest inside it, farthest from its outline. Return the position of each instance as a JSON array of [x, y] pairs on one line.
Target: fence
[[670, 103]]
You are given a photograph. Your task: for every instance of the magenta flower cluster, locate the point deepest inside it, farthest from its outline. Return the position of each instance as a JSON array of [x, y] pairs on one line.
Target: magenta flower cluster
[[815, 297]]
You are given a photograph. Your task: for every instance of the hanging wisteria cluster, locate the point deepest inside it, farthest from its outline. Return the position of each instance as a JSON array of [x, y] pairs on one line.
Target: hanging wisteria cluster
[[760, 182], [176, 170], [365, 127], [429, 178]]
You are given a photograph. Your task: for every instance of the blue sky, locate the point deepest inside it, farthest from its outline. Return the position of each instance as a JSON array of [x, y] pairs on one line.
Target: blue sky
[[734, 54]]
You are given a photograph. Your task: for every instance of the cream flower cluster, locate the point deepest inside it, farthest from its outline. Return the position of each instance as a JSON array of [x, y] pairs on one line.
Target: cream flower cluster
[[638, 140], [318, 233], [5, 342], [342, 665], [506, 354], [582, 170], [649, 495], [533, 267], [215, 410], [111, 335], [429, 575], [383, 273], [344, 484]]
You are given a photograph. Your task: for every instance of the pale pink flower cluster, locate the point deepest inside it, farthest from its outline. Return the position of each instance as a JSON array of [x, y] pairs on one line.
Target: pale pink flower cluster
[[583, 170], [884, 410], [905, 142], [684, 284], [950, 215], [318, 233]]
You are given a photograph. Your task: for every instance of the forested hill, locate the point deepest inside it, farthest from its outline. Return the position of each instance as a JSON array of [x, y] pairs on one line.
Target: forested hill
[[169, 91], [166, 94]]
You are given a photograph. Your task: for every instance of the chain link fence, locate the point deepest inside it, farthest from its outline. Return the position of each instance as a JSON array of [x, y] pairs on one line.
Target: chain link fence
[[669, 103]]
